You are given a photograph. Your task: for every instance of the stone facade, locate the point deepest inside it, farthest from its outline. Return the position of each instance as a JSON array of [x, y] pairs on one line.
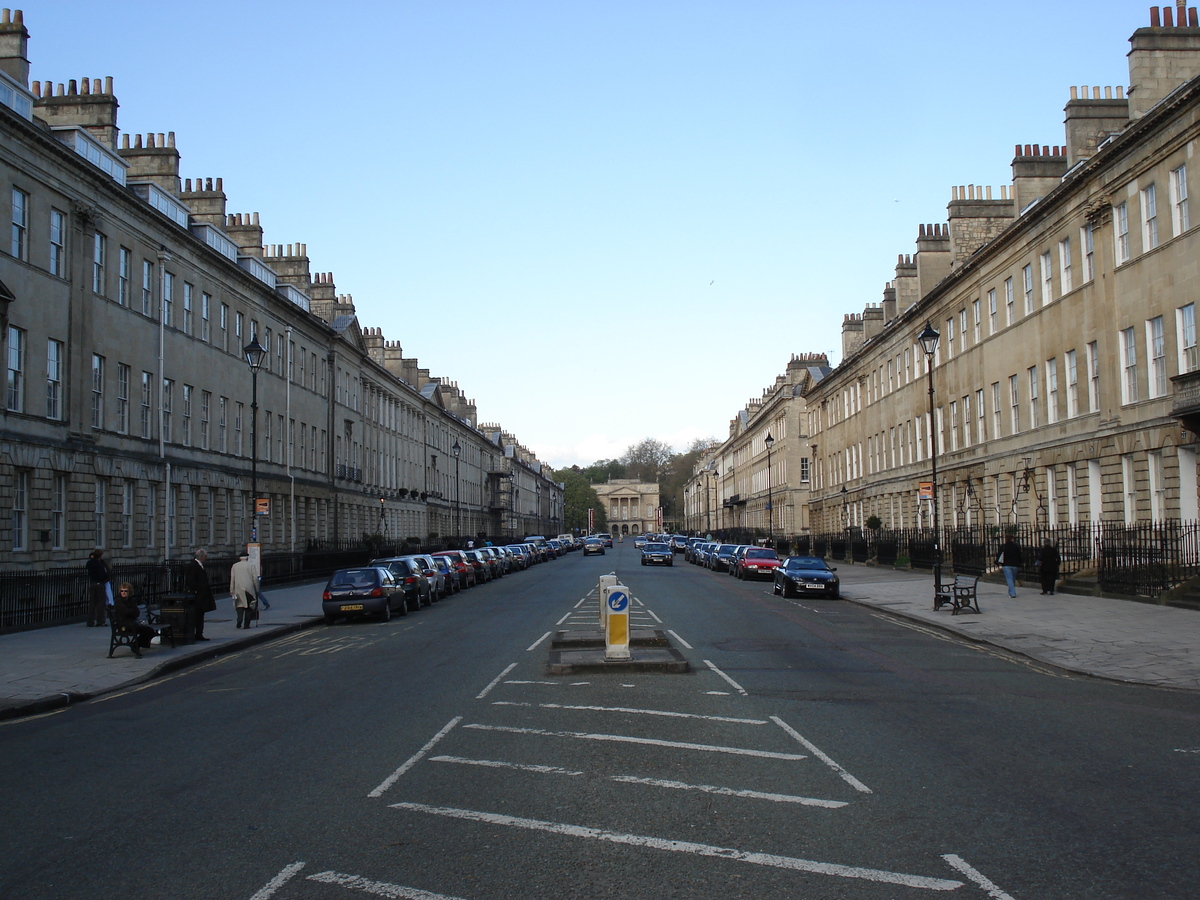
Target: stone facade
[[127, 295], [1067, 344], [732, 487], [633, 506]]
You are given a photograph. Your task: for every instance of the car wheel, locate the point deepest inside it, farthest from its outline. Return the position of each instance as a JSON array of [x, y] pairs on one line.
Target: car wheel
[[834, 594], [329, 620], [386, 615], [788, 590], [775, 588], [410, 605], [643, 562], [671, 563]]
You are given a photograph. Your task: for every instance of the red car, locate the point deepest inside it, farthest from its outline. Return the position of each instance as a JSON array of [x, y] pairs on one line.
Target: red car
[[458, 559], [757, 562]]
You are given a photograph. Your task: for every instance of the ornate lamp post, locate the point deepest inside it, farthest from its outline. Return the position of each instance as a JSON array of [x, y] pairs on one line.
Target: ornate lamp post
[[770, 442], [255, 354], [928, 339], [456, 451]]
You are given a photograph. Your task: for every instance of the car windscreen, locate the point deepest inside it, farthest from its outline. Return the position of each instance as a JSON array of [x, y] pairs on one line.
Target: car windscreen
[[353, 578], [657, 547], [759, 553], [805, 562], [726, 548]]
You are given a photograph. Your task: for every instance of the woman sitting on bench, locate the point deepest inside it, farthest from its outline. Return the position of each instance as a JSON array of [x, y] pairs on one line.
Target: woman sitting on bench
[[125, 614]]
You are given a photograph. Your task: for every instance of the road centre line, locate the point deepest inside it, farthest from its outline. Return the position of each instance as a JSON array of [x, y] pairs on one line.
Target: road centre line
[[737, 687], [681, 640], [496, 764], [378, 888], [624, 739], [285, 875], [630, 709], [958, 863], [495, 681], [538, 641], [730, 792], [414, 759], [761, 859], [842, 773], [563, 619]]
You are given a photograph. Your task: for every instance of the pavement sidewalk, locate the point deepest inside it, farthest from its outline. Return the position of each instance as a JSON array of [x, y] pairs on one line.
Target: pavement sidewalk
[[1123, 640], [47, 668]]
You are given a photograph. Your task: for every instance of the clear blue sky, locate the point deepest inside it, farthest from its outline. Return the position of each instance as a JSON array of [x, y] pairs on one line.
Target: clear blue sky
[[606, 220]]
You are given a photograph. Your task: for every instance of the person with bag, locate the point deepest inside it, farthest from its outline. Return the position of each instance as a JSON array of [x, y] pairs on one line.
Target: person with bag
[[243, 588], [195, 580], [1010, 561], [100, 595]]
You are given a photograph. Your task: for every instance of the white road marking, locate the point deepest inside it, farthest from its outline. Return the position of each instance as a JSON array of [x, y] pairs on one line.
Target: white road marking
[[414, 759], [582, 600], [737, 687], [495, 681], [496, 764], [285, 875], [958, 863], [563, 619], [681, 640], [551, 683], [637, 840], [623, 739], [730, 792], [656, 618], [643, 712], [845, 776], [378, 888], [538, 641], [718, 693]]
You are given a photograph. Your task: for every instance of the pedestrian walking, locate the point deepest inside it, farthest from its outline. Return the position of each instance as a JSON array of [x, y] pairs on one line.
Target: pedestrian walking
[[1010, 560], [1048, 563], [100, 596], [195, 582], [243, 588]]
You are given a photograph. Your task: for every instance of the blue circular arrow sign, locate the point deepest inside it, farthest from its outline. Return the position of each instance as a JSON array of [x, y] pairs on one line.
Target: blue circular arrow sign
[[617, 601]]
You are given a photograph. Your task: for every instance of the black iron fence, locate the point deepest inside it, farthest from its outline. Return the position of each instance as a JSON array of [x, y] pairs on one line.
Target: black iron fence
[[1143, 559]]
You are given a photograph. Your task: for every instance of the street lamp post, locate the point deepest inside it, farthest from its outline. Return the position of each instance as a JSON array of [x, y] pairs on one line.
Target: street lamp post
[[846, 518], [928, 339], [770, 442], [456, 451], [255, 354]]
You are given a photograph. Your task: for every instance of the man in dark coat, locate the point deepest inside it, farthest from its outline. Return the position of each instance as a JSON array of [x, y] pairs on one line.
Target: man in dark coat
[[195, 582], [1048, 562]]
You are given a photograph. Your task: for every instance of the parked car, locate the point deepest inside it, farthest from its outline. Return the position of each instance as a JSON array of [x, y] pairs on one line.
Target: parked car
[[657, 554], [721, 557], [484, 570], [362, 591], [806, 575], [450, 574], [498, 563], [679, 543], [757, 562], [412, 578], [593, 546], [519, 554], [738, 550], [702, 553], [437, 581], [458, 558], [556, 548]]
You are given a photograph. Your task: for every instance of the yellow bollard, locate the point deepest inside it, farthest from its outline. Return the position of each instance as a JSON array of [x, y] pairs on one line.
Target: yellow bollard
[[616, 632]]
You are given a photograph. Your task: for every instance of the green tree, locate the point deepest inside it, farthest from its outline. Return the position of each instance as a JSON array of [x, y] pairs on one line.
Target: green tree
[[578, 498], [602, 470], [647, 460]]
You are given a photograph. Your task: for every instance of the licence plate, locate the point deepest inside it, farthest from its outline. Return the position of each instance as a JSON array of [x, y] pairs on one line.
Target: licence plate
[[815, 587], [351, 607]]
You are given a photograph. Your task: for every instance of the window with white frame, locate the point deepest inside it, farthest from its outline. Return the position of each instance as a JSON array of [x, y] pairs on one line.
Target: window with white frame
[[1179, 200], [1014, 401], [997, 414], [20, 225], [168, 407], [1072, 385], [205, 324], [966, 415], [1072, 495], [1052, 390], [1185, 329], [99, 258], [58, 512], [1128, 489], [1087, 239], [54, 376], [1034, 416], [1065, 275], [953, 424], [1093, 367], [949, 338], [237, 428], [980, 424], [123, 378], [1027, 287], [1156, 353], [1129, 369], [147, 429], [99, 511], [223, 424], [205, 411], [124, 274], [1121, 232], [962, 329], [978, 322], [20, 510], [1009, 301], [58, 243], [1149, 219], [151, 514], [223, 324], [186, 411], [16, 370], [187, 308], [992, 311], [97, 390], [1051, 496], [1047, 272], [127, 514], [168, 299], [147, 287], [1158, 488]]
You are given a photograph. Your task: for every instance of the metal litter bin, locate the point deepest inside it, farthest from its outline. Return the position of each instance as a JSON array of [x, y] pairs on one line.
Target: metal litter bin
[[178, 612]]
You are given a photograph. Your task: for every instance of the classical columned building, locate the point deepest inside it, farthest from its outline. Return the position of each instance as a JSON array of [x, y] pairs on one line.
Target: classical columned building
[[632, 505]]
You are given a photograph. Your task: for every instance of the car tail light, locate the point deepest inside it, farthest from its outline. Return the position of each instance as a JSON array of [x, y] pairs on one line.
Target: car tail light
[[326, 596], [411, 579], [377, 592]]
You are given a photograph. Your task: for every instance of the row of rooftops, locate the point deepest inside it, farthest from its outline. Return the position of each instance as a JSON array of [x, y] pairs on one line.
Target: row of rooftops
[[82, 114]]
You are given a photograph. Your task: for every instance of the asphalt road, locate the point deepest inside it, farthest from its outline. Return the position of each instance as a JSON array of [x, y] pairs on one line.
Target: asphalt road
[[817, 749]]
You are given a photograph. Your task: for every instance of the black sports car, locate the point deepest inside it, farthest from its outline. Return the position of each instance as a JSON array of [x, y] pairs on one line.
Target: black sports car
[[806, 575]]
